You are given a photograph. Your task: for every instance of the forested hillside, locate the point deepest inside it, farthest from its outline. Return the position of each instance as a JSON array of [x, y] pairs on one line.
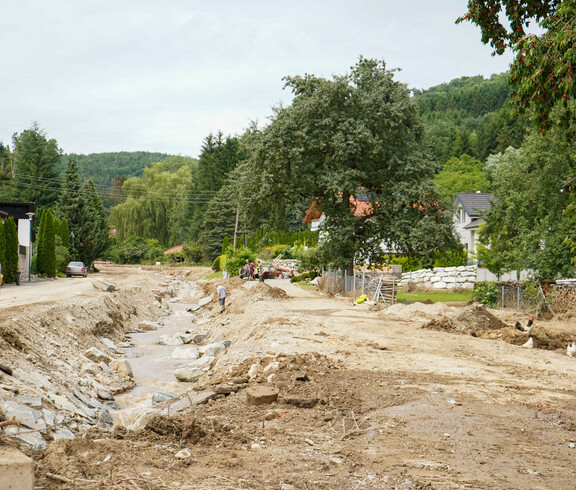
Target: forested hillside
[[470, 115], [104, 168]]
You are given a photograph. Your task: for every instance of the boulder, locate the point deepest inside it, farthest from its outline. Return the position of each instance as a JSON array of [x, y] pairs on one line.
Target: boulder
[[170, 340], [111, 346], [187, 374], [203, 362], [213, 349], [148, 326], [97, 355], [63, 434], [204, 301], [189, 399], [162, 397], [123, 367], [185, 353]]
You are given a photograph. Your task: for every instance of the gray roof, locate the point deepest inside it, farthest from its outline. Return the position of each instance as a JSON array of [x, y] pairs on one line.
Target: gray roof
[[473, 203]]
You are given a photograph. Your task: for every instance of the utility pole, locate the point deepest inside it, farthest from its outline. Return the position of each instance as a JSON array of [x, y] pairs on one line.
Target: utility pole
[[236, 226]]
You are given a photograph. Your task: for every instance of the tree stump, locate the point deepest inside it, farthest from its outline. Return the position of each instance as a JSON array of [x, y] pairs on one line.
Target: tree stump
[[261, 395]]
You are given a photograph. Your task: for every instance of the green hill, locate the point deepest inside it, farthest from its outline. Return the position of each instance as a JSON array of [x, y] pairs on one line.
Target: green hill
[[470, 115]]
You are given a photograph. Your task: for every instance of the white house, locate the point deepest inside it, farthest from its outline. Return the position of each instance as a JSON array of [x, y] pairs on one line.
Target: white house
[[468, 211]]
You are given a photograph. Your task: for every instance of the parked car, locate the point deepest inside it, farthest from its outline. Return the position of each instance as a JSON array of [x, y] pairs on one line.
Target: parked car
[[76, 269]]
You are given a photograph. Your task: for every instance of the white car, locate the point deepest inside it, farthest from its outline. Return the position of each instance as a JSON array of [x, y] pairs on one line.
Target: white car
[[76, 269]]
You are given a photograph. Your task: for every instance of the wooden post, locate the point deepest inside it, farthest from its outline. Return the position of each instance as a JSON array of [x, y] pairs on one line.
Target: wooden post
[[236, 226]]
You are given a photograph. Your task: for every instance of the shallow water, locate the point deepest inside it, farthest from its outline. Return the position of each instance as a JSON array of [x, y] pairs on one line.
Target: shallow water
[[153, 366]]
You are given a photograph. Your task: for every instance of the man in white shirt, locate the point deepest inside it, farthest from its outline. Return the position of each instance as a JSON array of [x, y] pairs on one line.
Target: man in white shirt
[[221, 290]]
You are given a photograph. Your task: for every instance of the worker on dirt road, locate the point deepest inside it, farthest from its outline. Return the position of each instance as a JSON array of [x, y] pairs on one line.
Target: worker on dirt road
[[221, 290]]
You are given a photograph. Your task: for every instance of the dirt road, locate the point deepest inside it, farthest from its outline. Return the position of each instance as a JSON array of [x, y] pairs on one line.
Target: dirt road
[[368, 399]]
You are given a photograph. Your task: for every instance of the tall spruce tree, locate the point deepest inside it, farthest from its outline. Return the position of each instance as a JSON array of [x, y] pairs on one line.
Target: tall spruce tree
[[85, 215], [36, 159], [46, 261], [40, 248], [10, 268]]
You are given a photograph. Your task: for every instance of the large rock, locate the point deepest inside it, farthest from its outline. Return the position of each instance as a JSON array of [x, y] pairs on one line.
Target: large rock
[[111, 346], [170, 340], [31, 439], [203, 362], [185, 353], [163, 396], [123, 367], [187, 400], [188, 374], [204, 301], [25, 415], [97, 355], [213, 349], [63, 434], [148, 326]]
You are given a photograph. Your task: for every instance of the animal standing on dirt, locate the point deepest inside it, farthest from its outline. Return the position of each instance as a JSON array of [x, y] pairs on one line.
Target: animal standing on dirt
[[528, 328], [571, 349]]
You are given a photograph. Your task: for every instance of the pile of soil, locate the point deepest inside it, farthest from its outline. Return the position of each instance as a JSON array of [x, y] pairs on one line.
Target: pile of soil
[[474, 320], [543, 339], [417, 312]]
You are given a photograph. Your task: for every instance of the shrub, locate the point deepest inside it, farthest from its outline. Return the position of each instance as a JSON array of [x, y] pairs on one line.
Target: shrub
[[193, 252], [485, 292], [219, 263], [236, 261]]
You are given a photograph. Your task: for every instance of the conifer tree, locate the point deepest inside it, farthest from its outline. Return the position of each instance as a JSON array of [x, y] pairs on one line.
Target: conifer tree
[[10, 268], [40, 247], [48, 243]]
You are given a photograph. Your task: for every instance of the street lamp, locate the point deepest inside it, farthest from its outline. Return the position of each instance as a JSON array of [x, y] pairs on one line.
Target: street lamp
[[30, 216], [73, 249]]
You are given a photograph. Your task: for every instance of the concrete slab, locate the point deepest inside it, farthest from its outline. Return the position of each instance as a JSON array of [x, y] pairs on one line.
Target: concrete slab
[[16, 470]]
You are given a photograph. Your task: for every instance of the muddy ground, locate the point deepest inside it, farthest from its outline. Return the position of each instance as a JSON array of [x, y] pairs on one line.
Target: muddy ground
[[405, 396]]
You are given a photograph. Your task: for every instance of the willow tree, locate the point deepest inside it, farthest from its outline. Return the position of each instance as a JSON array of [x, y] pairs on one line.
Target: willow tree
[[155, 203], [352, 138]]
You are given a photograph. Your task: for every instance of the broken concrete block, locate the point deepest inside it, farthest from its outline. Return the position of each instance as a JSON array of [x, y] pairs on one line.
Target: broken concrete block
[[16, 469]]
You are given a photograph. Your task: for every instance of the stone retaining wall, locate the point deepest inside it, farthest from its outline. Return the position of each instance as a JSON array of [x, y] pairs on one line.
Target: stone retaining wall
[[442, 277]]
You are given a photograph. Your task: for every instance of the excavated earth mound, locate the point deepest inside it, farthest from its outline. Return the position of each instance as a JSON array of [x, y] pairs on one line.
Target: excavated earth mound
[[473, 320]]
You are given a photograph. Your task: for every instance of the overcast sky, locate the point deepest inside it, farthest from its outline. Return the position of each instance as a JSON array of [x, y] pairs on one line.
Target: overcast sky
[[160, 75]]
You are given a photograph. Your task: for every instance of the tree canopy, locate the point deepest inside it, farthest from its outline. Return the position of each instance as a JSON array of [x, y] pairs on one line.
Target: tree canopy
[[357, 136], [543, 71]]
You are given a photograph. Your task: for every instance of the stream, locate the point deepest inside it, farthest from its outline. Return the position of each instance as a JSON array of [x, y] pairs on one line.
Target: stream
[[153, 366]]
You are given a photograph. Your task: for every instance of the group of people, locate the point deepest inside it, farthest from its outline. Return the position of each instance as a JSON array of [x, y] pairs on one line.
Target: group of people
[[250, 272]]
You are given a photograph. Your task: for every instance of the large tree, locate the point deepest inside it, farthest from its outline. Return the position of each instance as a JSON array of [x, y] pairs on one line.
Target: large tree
[[37, 159], [356, 136], [219, 156], [526, 226], [155, 202], [542, 74], [84, 213], [10, 265]]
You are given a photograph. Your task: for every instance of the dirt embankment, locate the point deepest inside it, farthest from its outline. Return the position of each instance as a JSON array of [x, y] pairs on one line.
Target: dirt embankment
[[367, 398]]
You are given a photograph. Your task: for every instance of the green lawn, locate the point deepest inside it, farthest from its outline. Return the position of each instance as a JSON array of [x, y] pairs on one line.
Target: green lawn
[[444, 296]]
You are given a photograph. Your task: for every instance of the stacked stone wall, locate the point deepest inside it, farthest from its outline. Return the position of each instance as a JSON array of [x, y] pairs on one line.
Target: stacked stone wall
[[463, 277]]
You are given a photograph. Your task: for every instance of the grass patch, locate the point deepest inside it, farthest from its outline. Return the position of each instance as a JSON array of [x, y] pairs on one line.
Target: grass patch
[[214, 275], [306, 285], [436, 296]]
